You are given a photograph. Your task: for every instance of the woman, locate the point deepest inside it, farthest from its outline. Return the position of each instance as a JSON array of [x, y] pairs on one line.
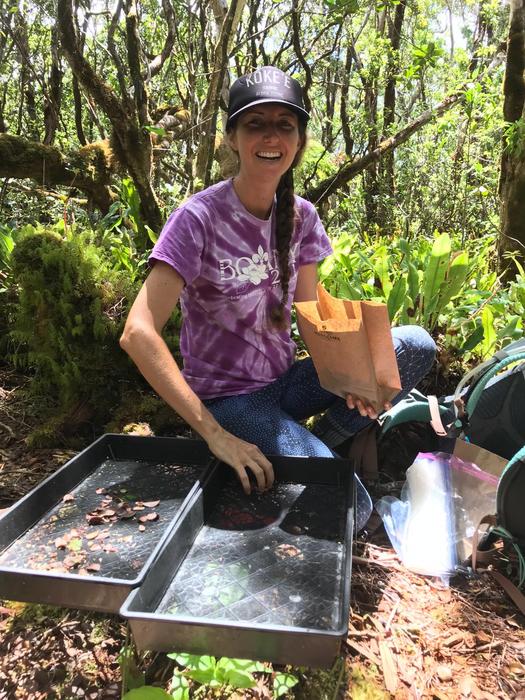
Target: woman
[[237, 255]]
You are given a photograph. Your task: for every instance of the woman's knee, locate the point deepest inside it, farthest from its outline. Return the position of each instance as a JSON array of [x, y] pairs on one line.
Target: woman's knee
[[415, 350]]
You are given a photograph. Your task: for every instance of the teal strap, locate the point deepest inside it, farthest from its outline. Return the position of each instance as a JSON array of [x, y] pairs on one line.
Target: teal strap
[[506, 535]]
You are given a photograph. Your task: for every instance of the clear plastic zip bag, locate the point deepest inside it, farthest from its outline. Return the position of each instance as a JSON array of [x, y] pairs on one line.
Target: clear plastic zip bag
[[441, 504]]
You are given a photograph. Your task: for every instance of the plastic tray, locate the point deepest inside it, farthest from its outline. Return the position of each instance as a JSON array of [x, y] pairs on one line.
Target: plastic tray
[[264, 577], [88, 534]]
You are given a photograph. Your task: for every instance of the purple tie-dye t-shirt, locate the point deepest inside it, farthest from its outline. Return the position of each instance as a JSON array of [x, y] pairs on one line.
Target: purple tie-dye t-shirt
[[228, 260]]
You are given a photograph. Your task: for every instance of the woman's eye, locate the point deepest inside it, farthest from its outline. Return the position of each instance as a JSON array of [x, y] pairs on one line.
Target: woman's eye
[[287, 126]]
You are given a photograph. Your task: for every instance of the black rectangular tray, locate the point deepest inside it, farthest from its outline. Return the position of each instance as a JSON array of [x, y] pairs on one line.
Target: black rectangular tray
[[51, 553], [265, 576]]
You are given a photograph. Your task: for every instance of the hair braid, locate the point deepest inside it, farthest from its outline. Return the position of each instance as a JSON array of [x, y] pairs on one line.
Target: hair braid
[[284, 227]]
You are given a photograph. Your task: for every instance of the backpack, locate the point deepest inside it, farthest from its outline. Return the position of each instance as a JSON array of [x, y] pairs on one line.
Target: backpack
[[487, 409]]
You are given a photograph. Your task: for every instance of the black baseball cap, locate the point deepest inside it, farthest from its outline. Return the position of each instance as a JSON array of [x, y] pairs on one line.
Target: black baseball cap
[[266, 84]]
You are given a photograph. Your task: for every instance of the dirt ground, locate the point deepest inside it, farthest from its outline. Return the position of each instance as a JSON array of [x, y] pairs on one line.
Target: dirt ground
[[408, 637]]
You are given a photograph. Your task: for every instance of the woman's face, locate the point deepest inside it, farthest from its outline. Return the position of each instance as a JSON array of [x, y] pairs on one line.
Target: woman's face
[[267, 140]]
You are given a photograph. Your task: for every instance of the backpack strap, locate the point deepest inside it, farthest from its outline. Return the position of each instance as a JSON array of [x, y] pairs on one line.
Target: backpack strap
[[363, 452], [488, 556]]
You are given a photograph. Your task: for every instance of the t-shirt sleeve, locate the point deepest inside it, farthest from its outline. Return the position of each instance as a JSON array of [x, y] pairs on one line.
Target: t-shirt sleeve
[[180, 244], [314, 244]]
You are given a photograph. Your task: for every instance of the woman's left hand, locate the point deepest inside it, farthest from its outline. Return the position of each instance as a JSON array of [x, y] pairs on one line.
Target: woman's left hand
[[365, 409]]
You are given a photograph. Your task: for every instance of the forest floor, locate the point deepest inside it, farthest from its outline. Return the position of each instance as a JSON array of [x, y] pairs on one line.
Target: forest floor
[[408, 637]]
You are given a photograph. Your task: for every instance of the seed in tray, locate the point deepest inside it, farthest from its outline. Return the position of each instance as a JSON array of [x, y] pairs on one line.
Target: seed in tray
[[67, 498], [148, 516], [283, 551]]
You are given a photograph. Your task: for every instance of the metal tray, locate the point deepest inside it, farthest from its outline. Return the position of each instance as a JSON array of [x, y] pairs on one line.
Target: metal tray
[[264, 577], [53, 551]]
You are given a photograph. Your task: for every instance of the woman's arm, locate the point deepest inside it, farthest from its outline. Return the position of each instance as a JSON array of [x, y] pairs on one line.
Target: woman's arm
[[143, 342]]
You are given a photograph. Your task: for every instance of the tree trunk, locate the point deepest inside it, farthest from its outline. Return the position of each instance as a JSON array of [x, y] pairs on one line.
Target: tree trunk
[[389, 105], [130, 141], [208, 117], [512, 179]]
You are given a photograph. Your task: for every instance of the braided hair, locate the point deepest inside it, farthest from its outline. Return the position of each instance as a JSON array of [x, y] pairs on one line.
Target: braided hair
[[284, 226]]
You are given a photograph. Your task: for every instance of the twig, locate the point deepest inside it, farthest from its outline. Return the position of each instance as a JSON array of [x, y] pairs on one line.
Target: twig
[[385, 565], [8, 429]]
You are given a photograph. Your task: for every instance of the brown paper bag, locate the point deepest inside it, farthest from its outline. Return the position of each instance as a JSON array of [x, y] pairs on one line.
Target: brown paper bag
[[482, 458], [493, 465], [351, 347]]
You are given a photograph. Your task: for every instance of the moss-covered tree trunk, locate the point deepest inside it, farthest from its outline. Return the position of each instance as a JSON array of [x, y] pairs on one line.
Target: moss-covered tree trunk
[[512, 181]]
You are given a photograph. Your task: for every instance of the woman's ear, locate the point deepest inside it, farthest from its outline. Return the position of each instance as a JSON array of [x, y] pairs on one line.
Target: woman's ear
[[231, 140]]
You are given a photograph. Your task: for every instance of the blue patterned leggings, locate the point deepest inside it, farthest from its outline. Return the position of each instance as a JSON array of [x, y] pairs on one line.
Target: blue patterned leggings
[[269, 417]]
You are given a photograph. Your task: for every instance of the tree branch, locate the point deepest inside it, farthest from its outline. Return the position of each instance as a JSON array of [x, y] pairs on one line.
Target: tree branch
[[87, 170], [329, 185]]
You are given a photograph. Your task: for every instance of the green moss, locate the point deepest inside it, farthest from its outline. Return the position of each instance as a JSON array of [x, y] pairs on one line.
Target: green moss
[[69, 315]]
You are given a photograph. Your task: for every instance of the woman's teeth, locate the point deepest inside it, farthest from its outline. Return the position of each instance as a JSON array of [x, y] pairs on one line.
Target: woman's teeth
[[269, 155]]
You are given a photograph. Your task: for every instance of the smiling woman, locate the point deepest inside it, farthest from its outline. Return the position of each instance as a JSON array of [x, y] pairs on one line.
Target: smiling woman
[[237, 255]]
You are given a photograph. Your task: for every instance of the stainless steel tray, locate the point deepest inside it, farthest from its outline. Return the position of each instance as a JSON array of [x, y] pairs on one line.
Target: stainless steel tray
[[264, 577], [86, 536]]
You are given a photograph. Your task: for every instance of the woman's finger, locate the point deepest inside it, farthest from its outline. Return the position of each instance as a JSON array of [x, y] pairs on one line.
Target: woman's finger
[[244, 479], [259, 474]]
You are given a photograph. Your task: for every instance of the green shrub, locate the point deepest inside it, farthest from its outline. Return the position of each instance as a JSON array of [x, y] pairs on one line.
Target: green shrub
[[69, 315]]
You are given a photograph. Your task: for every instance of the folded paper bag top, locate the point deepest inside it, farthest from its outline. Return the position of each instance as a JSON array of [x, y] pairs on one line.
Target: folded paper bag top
[[351, 346]]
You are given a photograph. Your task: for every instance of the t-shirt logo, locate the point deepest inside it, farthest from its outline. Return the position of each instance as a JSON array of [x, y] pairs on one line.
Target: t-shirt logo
[[256, 268], [252, 269]]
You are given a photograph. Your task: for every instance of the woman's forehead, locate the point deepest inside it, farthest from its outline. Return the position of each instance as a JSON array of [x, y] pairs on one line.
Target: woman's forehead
[[271, 109]]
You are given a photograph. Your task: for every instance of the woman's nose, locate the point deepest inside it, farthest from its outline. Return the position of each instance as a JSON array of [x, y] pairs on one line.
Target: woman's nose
[[270, 131]]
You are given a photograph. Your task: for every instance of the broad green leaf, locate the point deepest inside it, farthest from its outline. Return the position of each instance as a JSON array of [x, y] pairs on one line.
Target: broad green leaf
[[240, 679], [489, 332], [413, 282], [205, 675], [511, 329], [194, 661], [147, 692], [455, 280], [179, 687], [241, 665], [348, 290], [473, 340], [282, 683], [381, 263], [435, 274], [396, 297]]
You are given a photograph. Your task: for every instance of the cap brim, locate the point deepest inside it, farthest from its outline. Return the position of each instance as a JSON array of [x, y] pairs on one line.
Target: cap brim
[[298, 110]]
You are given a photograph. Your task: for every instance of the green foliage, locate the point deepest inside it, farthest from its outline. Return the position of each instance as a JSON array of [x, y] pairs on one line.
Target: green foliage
[[515, 137], [68, 318], [132, 676], [7, 294], [448, 291], [206, 670], [283, 683], [123, 233]]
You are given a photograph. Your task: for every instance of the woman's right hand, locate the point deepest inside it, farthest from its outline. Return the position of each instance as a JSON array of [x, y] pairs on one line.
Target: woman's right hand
[[242, 455]]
